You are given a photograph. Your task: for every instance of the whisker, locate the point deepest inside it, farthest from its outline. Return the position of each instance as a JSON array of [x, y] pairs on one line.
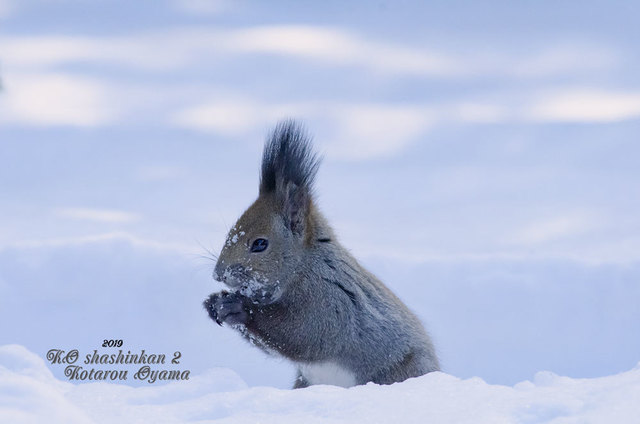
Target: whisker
[[209, 255]]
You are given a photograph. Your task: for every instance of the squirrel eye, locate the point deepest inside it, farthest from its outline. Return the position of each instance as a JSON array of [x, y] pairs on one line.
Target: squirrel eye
[[259, 245]]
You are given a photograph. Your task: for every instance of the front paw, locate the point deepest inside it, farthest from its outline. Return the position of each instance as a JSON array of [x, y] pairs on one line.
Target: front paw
[[226, 307]]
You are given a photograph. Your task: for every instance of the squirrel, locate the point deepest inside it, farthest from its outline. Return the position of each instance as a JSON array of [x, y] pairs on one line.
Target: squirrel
[[296, 292]]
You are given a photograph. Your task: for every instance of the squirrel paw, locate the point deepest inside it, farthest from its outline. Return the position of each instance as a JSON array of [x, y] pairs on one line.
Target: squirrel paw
[[226, 307]]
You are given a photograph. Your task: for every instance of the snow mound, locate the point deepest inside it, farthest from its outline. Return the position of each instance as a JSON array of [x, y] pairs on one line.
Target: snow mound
[[29, 393]]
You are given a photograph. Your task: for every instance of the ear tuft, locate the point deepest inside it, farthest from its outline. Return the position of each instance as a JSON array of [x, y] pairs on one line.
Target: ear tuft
[[288, 158], [289, 168]]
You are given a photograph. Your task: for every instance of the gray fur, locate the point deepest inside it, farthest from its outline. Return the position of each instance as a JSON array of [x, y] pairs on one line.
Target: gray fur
[[305, 297]]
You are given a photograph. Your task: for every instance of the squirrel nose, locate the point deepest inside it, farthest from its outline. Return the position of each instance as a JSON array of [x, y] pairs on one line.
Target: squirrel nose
[[229, 275]]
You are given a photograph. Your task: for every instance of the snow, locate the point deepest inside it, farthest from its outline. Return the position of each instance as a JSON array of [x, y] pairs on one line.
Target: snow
[[501, 321], [29, 393], [234, 236]]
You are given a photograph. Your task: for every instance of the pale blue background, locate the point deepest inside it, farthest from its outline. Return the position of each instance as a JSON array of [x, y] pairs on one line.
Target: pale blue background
[[481, 158]]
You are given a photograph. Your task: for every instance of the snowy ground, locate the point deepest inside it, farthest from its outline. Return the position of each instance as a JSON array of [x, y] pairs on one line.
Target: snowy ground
[[29, 393]]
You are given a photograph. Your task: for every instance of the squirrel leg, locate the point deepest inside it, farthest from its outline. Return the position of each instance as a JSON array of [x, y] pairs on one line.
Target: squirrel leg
[[300, 382]]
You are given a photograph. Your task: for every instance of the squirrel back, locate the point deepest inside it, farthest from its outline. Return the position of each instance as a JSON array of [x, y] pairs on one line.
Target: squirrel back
[[297, 292]]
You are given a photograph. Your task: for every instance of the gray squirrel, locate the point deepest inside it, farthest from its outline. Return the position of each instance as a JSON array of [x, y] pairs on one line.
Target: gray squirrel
[[296, 292]]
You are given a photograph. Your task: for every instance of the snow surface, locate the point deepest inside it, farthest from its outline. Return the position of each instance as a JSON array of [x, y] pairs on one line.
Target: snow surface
[[29, 393]]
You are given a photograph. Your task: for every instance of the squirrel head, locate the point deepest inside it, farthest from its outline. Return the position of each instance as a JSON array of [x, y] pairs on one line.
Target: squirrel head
[[267, 245]]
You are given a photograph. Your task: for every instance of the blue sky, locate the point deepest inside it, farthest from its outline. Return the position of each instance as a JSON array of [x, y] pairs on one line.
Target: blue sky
[[462, 141]]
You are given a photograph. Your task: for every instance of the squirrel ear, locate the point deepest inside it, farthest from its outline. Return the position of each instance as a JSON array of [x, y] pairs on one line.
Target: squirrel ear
[[295, 207]]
